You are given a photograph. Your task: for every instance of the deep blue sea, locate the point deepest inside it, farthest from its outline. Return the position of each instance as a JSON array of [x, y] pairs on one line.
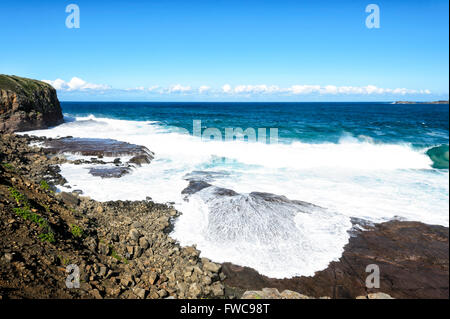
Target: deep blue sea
[[419, 124], [374, 161]]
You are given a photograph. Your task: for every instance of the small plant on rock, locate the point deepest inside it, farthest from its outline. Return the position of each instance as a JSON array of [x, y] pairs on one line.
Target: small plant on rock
[[23, 212], [8, 166], [18, 197], [48, 237], [116, 256], [64, 261], [27, 214], [76, 231], [44, 185]]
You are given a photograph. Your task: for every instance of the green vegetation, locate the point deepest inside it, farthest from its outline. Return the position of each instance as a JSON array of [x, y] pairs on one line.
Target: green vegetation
[[48, 237], [27, 214], [64, 261], [18, 84], [8, 167], [18, 197], [44, 185], [116, 256], [76, 231]]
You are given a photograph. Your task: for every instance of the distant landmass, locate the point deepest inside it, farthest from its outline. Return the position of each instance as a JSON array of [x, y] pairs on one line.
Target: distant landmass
[[415, 102]]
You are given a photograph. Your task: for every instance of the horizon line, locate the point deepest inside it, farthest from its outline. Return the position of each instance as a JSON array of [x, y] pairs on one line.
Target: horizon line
[[125, 101]]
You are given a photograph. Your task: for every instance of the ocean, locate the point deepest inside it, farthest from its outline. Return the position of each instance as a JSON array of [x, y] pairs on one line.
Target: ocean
[[373, 161]]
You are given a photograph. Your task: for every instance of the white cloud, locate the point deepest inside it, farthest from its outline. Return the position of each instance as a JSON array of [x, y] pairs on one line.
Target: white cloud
[[139, 88], [204, 89], [75, 84], [226, 88], [58, 84], [178, 88], [144, 89], [153, 88], [256, 89], [303, 89], [317, 89]]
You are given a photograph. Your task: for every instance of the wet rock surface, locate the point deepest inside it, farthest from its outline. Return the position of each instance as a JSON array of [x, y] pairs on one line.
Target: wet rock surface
[[96, 147], [413, 259], [101, 148], [109, 172], [196, 186]]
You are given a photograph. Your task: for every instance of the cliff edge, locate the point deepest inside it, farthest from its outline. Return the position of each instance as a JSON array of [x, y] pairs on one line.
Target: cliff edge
[[27, 104]]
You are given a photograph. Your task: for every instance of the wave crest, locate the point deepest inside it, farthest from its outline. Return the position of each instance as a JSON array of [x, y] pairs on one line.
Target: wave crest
[[439, 155]]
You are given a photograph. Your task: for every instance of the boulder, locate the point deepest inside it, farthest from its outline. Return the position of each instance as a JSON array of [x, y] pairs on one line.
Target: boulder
[[212, 267], [134, 234]]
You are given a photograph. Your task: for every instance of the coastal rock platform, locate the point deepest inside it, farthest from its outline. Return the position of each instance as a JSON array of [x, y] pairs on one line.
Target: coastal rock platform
[[95, 150], [413, 259]]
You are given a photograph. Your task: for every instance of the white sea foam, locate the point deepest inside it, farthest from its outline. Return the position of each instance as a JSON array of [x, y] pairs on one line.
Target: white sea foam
[[354, 178], [277, 238]]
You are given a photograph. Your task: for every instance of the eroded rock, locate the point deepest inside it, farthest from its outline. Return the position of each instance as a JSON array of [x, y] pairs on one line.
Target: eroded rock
[[27, 104]]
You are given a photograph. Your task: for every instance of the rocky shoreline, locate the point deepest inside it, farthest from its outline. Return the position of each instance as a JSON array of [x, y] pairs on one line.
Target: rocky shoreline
[[122, 248], [413, 261]]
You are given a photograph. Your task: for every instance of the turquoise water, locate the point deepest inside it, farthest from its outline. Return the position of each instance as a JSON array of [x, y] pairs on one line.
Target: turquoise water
[[421, 125]]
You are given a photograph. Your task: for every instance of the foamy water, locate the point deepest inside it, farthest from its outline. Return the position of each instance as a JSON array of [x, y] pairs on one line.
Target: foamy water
[[353, 178]]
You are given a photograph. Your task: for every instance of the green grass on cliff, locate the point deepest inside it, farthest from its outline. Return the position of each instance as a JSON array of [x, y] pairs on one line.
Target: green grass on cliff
[[18, 84]]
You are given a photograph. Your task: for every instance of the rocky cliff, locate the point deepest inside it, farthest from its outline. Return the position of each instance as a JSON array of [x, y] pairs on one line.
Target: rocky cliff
[[27, 104]]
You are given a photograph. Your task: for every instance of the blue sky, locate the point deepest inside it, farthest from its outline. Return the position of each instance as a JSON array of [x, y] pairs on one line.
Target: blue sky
[[230, 50]]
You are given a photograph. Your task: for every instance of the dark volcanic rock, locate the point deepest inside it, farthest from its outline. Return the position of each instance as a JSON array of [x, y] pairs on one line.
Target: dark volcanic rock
[[96, 147], [225, 192], [109, 172], [27, 104], [198, 185], [268, 197], [413, 259], [101, 148], [140, 159], [194, 187], [206, 176]]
